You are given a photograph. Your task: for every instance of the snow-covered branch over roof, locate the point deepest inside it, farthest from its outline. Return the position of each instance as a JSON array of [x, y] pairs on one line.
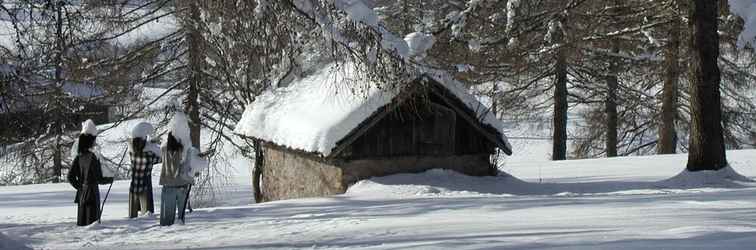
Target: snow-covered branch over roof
[[315, 113]]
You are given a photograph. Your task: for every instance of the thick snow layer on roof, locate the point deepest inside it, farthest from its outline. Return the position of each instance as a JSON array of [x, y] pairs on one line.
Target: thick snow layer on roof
[[316, 112]]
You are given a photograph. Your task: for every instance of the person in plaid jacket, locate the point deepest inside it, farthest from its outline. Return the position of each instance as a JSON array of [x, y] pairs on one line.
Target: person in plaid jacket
[[143, 155]]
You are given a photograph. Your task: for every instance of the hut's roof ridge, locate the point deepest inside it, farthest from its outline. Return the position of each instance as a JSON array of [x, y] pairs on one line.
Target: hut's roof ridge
[[314, 113]]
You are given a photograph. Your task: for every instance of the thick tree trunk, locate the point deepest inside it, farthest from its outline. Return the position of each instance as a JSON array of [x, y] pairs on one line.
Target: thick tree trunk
[[196, 61], [612, 121], [706, 151], [560, 108], [667, 131]]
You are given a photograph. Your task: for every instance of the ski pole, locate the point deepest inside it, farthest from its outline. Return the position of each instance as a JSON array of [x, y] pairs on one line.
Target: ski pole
[[189, 201], [99, 217], [186, 201]]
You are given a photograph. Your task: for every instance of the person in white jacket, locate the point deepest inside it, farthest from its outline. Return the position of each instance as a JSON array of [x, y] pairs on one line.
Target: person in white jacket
[[181, 164], [175, 177]]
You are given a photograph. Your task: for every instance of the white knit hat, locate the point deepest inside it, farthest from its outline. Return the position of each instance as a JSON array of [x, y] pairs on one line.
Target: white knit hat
[[179, 128], [89, 127], [142, 130]]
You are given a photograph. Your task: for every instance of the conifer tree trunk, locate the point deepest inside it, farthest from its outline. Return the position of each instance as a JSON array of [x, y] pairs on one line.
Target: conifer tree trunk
[[560, 108], [706, 151], [196, 60], [667, 131], [57, 123], [612, 123]]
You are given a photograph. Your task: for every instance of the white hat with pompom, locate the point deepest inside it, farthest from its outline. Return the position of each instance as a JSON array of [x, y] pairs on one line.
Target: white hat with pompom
[[89, 127], [142, 130], [179, 128]]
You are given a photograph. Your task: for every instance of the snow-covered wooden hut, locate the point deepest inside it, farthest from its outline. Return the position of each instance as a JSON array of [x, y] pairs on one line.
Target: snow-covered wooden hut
[[331, 129]]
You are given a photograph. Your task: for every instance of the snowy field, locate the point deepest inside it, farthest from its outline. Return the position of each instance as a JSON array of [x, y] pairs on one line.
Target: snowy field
[[588, 204]]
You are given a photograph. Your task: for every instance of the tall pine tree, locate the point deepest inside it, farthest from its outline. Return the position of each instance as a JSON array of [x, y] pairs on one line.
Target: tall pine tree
[[707, 149]]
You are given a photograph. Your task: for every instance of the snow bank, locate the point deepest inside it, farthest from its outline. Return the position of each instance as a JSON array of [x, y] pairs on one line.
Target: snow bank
[[726, 177], [434, 182], [591, 179]]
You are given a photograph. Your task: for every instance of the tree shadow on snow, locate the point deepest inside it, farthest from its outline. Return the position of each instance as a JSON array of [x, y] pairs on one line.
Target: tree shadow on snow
[[441, 182], [403, 241], [709, 240]]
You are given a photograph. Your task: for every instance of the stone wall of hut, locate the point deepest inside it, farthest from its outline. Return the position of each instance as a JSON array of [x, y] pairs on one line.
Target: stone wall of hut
[[289, 174]]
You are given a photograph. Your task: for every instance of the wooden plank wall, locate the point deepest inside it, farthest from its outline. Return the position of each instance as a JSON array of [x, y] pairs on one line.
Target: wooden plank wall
[[423, 126]]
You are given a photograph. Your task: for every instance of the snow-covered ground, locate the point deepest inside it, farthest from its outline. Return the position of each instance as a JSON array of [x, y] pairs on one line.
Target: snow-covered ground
[[588, 204]]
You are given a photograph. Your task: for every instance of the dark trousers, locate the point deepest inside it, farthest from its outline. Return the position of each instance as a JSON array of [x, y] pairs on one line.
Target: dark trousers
[[172, 198]]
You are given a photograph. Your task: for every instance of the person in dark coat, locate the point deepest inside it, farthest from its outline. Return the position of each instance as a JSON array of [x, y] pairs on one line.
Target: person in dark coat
[[143, 155], [85, 175]]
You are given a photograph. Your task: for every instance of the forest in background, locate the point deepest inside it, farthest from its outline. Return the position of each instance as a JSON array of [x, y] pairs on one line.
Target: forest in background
[[619, 68]]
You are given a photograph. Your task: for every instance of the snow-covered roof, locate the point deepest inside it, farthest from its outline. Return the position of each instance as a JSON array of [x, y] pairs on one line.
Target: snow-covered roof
[[315, 113], [82, 90], [33, 93]]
